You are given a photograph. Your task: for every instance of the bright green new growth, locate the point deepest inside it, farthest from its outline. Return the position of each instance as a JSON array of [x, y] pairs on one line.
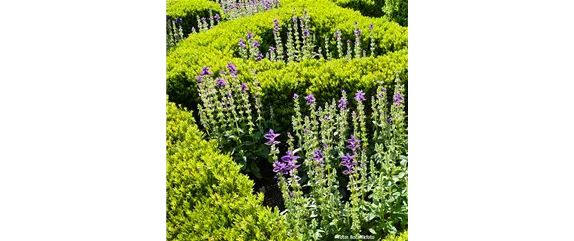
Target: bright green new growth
[[206, 196]]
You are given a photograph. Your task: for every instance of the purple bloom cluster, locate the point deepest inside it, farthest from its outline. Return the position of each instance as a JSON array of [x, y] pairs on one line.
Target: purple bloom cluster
[[360, 96], [232, 69], [353, 143], [357, 32], [287, 165], [244, 87], [348, 163], [371, 26], [217, 17], [179, 20], [256, 44], [295, 96], [275, 25], [199, 78], [205, 71], [271, 137], [342, 104], [310, 99], [399, 99], [249, 35], [167, 17], [203, 19], [318, 156], [220, 82], [271, 49], [241, 43]]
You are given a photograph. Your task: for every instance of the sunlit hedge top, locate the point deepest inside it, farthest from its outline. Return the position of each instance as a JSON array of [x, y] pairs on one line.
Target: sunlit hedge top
[[206, 196], [217, 46], [187, 10]]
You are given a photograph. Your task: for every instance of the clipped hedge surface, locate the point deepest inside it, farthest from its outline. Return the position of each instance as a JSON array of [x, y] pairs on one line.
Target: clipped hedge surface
[[404, 236], [218, 46], [207, 197], [187, 10], [325, 79], [372, 8]]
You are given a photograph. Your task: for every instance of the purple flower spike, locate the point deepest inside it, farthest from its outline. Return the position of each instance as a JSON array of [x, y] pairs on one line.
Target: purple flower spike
[[343, 104], [271, 138], [289, 157], [279, 167], [205, 71], [371, 27], [353, 143], [249, 35], [244, 87], [203, 19], [199, 79], [217, 17], [193, 29], [310, 99], [271, 49], [357, 32], [259, 57], [398, 99], [179, 20], [295, 96], [389, 120], [232, 68], [360, 96], [220, 82], [256, 44], [294, 19], [337, 36], [348, 41], [318, 156], [167, 17], [241, 43]]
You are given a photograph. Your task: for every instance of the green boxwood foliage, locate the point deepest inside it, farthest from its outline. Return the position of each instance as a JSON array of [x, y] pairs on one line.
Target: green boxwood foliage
[[218, 46], [398, 11], [401, 237], [372, 8], [187, 10], [207, 197]]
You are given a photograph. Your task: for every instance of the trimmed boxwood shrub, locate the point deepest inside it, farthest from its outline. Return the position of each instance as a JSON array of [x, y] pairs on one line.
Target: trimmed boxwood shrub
[[325, 79], [187, 10], [401, 237], [397, 10], [218, 46], [372, 8], [207, 198]]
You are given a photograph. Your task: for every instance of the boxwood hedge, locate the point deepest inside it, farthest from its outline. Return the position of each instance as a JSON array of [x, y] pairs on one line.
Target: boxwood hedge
[[187, 10], [215, 48], [372, 8], [207, 197]]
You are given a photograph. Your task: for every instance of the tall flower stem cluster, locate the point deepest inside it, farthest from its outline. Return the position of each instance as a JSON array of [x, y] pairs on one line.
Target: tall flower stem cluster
[[174, 31], [338, 149], [226, 113], [301, 43], [241, 8], [357, 32]]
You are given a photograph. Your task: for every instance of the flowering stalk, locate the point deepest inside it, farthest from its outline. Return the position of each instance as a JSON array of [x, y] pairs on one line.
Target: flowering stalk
[[290, 47], [348, 50], [328, 54], [357, 32], [297, 49], [339, 43], [278, 41], [372, 38], [211, 22]]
